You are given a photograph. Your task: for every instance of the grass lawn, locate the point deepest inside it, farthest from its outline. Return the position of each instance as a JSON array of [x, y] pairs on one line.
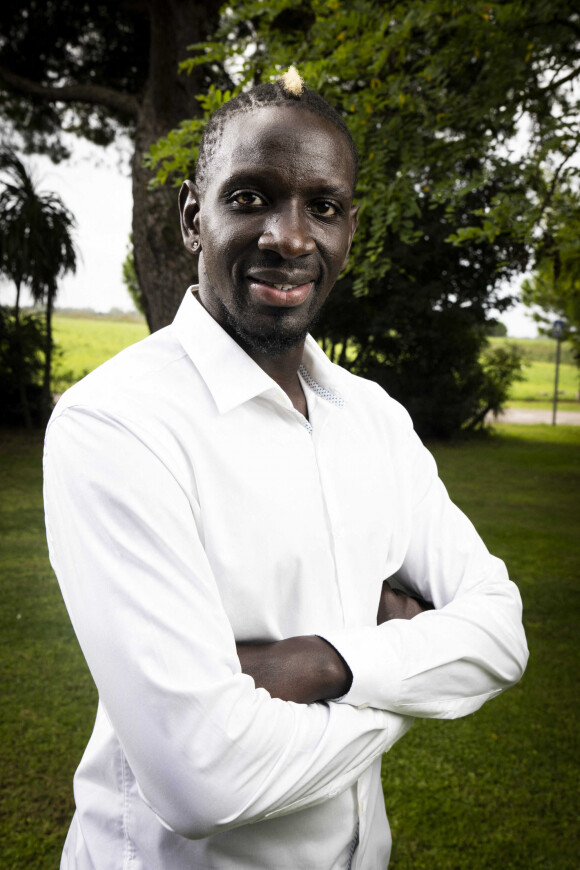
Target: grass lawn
[[86, 342], [494, 790], [48, 699], [497, 789], [537, 390], [539, 384]]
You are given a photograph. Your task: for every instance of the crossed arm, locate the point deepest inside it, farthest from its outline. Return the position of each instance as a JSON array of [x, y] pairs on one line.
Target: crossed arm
[[308, 669]]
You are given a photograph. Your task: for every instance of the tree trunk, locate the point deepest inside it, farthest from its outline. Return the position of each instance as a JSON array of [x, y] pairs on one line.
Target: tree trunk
[[24, 406], [47, 400], [164, 269]]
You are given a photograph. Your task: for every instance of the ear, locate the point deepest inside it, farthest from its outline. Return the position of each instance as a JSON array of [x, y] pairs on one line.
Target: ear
[[189, 212], [353, 225]]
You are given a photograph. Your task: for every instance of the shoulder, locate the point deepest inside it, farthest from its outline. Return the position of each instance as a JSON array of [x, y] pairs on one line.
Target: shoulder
[[131, 379]]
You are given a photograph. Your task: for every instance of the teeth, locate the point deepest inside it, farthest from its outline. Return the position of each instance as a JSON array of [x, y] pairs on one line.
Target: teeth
[[283, 286]]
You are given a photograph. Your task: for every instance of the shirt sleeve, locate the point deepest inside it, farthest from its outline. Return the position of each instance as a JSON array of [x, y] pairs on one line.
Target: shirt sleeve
[[209, 751], [446, 662]]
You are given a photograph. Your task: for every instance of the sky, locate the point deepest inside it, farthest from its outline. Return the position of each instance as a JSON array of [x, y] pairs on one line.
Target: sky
[[95, 184]]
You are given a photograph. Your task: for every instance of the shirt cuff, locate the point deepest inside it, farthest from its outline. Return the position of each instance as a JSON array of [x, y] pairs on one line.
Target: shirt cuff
[[376, 675]]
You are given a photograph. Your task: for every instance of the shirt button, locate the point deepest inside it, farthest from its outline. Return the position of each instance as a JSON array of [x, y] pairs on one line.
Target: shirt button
[[361, 807]]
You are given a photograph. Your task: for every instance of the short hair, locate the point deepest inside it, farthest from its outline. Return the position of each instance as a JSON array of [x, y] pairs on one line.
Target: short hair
[[282, 92]]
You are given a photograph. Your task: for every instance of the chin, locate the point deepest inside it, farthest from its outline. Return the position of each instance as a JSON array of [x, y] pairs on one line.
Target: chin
[[274, 342]]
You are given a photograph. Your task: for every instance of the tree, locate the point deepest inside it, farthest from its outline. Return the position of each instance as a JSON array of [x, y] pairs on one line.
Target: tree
[[555, 284], [36, 249], [98, 68], [129, 276], [434, 92], [496, 329]]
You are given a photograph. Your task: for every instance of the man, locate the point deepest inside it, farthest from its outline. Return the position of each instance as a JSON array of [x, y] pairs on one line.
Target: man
[[223, 508]]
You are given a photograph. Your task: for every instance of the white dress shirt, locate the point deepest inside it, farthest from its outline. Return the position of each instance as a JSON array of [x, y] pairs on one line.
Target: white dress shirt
[[190, 506]]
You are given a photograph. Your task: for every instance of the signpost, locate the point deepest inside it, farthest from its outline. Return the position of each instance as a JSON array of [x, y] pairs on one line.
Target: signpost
[[557, 332]]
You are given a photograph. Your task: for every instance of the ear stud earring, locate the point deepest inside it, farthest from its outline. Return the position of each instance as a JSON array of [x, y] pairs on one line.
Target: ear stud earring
[[195, 245]]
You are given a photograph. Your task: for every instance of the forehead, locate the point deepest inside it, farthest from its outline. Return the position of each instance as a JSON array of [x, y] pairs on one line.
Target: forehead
[[285, 140]]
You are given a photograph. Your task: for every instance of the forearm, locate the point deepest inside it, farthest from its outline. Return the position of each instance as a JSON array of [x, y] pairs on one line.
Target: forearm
[[444, 663], [301, 669], [309, 669]]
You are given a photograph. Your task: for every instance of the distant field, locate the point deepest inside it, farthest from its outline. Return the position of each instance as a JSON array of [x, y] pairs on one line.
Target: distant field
[[540, 366], [539, 349], [87, 341], [539, 383]]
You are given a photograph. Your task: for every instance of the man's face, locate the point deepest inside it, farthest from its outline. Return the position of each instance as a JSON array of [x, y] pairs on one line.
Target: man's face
[[275, 222]]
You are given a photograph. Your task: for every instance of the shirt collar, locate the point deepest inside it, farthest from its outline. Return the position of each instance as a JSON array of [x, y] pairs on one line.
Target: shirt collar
[[231, 376]]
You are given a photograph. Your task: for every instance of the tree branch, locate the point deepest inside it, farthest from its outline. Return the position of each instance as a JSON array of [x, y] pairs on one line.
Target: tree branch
[[556, 84], [551, 190], [95, 95]]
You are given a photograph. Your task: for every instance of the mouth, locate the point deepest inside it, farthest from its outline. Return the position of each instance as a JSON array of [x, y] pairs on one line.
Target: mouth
[[284, 295]]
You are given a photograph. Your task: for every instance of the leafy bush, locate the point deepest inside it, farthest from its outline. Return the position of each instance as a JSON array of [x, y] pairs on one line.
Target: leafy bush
[[22, 344], [501, 366]]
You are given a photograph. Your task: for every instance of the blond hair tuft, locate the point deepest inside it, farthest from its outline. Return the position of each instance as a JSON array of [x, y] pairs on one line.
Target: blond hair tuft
[[292, 82]]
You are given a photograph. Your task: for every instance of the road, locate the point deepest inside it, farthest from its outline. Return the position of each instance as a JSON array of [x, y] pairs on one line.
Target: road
[[532, 415]]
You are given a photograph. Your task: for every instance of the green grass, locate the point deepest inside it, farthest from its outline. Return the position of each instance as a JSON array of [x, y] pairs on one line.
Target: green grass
[[539, 383], [540, 349], [494, 790], [48, 700], [537, 390], [88, 341]]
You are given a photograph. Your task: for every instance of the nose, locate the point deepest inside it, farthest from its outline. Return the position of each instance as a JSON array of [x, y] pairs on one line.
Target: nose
[[287, 232]]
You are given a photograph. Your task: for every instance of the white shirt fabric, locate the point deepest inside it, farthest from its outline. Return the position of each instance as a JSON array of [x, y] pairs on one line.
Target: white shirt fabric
[[190, 506]]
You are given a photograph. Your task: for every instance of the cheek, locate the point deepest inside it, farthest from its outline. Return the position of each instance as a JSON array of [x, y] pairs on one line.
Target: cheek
[[223, 243]]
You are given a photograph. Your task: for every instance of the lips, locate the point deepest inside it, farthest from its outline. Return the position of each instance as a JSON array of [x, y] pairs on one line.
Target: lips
[[287, 294]]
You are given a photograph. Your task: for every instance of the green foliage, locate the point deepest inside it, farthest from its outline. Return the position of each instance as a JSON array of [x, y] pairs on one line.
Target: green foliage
[[174, 156], [555, 285], [431, 90], [502, 367], [34, 230], [129, 276], [101, 44], [36, 249], [22, 344], [434, 92], [496, 329], [419, 332]]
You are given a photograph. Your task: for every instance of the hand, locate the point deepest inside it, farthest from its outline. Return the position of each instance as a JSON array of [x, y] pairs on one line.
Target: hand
[[395, 604], [301, 669]]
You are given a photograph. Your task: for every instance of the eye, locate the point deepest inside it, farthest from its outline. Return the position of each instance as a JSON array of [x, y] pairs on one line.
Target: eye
[[323, 208], [246, 199]]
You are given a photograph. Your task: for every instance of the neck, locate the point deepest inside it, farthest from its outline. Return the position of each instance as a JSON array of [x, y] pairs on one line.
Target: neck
[[284, 370], [283, 367]]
